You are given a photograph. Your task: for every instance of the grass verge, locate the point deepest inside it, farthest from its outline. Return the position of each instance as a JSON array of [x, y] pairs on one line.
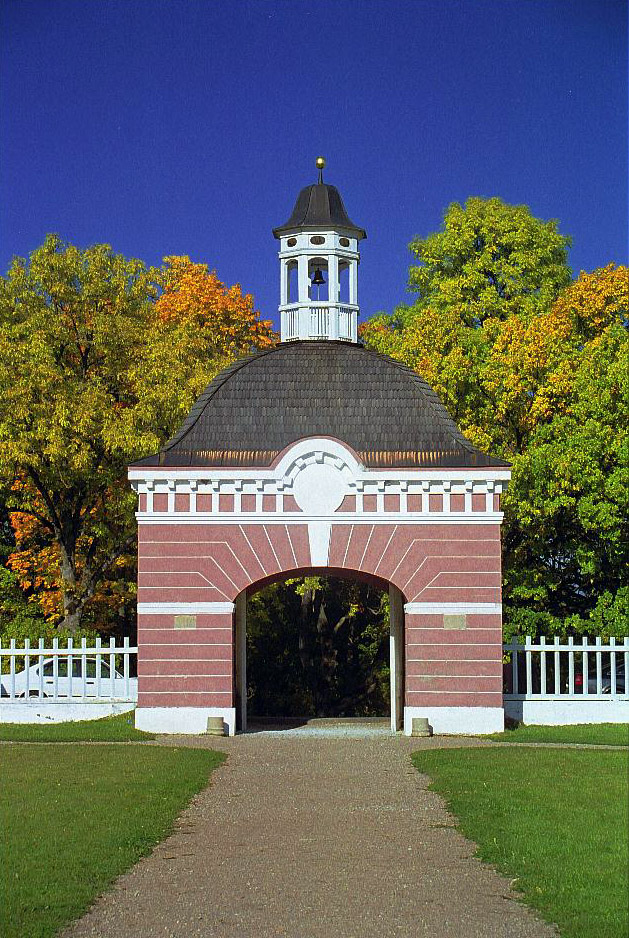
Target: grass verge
[[110, 729], [74, 817], [556, 820], [594, 734]]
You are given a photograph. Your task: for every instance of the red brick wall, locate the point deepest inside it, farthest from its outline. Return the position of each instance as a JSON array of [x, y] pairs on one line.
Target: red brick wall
[[185, 667], [429, 563], [453, 668]]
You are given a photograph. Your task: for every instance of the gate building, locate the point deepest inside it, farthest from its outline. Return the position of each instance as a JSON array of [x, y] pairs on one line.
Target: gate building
[[319, 456]]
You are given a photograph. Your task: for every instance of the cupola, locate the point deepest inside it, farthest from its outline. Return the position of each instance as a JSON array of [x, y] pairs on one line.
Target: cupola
[[319, 260]]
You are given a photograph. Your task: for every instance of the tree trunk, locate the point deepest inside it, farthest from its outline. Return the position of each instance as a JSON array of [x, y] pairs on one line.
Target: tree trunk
[[73, 600]]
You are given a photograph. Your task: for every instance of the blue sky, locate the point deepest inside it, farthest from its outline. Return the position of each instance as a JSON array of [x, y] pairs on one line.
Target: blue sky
[[184, 127]]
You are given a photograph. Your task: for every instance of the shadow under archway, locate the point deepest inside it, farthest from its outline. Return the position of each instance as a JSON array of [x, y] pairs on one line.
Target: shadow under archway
[[318, 645]]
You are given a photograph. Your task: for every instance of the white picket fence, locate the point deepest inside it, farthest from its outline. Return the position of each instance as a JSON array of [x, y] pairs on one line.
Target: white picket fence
[[67, 674], [550, 668], [551, 682], [546, 682]]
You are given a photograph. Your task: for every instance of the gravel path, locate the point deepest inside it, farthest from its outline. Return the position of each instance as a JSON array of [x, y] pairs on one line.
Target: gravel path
[[307, 835]]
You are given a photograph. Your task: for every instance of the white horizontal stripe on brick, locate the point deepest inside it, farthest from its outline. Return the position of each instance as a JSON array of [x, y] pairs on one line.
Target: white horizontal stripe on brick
[[487, 644], [177, 609], [163, 677], [435, 660], [183, 693], [471, 693], [452, 677], [454, 608], [295, 517]]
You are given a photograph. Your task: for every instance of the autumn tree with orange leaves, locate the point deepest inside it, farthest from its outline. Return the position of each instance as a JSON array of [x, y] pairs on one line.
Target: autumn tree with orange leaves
[[100, 360]]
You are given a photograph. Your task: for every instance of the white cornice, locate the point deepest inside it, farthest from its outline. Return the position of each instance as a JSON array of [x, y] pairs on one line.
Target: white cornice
[[294, 517], [138, 473]]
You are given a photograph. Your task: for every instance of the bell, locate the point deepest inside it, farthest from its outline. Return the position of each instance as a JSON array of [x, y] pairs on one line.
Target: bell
[[318, 278]]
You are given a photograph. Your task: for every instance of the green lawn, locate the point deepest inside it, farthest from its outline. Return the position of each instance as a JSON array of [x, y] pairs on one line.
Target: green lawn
[[110, 729], [555, 819], [599, 734], [75, 817]]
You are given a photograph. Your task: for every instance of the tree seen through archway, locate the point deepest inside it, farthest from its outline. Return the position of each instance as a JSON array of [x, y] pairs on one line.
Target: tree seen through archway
[[318, 647]]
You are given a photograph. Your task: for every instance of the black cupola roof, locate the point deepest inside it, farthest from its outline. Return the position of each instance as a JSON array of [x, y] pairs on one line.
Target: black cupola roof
[[320, 206], [258, 406]]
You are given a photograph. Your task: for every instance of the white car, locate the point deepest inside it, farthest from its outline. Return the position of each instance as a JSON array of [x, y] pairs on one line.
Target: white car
[[35, 683]]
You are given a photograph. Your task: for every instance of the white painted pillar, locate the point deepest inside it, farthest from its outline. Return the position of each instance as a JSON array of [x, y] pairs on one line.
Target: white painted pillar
[[353, 283], [303, 281], [425, 497], [380, 498], [333, 296], [360, 498], [396, 656], [489, 496], [469, 489], [283, 283], [333, 278], [240, 623], [403, 497]]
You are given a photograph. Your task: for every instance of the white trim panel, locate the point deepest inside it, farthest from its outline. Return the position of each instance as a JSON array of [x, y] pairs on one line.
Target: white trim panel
[[319, 539], [457, 721], [44, 711], [177, 609], [449, 609], [476, 473], [561, 712], [185, 721], [295, 517]]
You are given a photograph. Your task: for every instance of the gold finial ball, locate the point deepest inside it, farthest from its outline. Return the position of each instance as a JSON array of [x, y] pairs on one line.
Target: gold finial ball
[[320, 162]]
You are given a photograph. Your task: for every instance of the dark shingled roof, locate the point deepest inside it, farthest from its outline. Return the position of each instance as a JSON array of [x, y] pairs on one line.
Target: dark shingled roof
[[319, 206], [258, 406]]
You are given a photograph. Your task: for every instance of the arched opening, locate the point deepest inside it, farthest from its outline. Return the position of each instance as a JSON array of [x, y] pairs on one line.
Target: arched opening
[[318, 275], [343, 283], [319, 644], [292, 282]]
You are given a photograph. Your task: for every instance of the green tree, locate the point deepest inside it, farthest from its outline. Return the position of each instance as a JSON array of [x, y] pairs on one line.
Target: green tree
[[89, 354], [491, 260], [567, 537], [534, 369], [491, 263], [318, 646]]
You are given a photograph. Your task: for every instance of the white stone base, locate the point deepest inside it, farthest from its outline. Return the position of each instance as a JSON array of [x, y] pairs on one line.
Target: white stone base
[[32, 711], [457, 721], [183, 720], [557, 711]]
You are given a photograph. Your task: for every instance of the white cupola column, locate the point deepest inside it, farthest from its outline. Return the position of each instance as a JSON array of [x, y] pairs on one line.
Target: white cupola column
[[353, 283], [303, 280], [319, 239], [333, 278], [283, 283]]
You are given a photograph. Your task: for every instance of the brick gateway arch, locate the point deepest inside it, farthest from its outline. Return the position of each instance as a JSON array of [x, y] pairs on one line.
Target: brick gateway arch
[[205, 538], [319, 455]]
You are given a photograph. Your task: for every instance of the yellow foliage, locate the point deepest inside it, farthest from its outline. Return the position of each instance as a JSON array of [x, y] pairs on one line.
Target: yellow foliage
[[193, 294]]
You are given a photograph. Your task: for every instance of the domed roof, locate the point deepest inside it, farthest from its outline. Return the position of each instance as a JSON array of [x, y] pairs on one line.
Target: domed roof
[[319, 206], [258, 406]]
